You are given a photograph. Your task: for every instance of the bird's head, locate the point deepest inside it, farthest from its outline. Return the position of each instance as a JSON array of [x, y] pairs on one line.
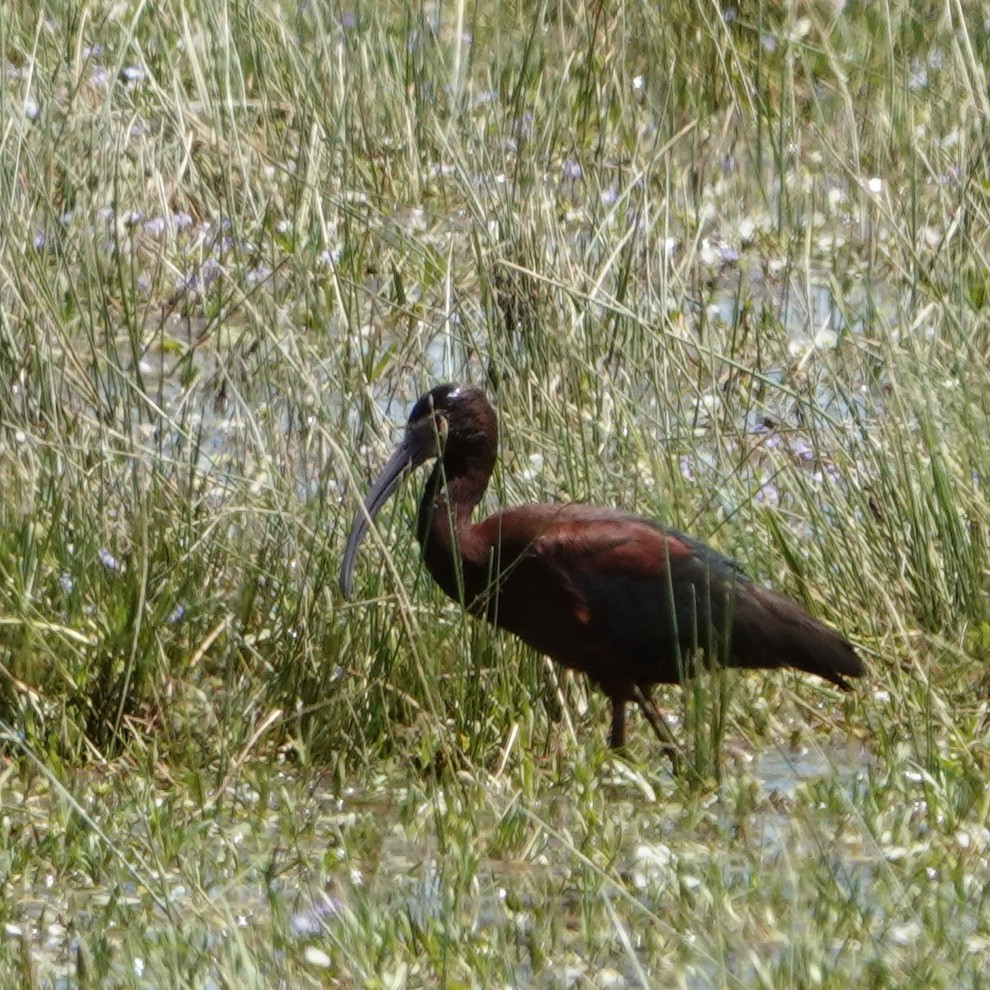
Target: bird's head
[[453, 422]]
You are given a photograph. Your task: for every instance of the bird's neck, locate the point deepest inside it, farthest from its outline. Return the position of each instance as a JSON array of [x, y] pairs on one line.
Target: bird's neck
[[444, 529]]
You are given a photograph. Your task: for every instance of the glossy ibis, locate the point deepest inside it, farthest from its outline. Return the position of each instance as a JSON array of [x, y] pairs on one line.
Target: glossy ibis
[[609, 593]]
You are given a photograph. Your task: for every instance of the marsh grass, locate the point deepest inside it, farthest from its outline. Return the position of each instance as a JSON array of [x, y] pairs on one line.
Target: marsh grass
[[727, 268]]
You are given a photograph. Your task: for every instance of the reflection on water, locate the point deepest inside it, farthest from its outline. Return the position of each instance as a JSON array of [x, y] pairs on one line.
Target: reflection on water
[[782, 771]]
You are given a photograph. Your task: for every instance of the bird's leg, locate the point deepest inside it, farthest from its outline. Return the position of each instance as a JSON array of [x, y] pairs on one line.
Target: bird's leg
[[668, 743], [618, 738]]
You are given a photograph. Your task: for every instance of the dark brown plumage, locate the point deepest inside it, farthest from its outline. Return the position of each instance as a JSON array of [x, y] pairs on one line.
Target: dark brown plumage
[[609, 593]]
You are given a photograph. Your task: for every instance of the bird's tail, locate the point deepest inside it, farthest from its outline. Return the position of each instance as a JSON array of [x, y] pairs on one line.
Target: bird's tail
[[770, 631]]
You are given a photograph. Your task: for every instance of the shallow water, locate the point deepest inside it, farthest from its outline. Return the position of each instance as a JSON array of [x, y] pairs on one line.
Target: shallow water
[[782, 771], [386, 858]]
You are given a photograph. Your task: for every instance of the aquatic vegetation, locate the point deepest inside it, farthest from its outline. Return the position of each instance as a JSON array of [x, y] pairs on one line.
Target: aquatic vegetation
[[724, 267]]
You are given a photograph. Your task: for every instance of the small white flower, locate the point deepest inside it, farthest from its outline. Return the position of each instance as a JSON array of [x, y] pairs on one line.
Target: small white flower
[[317, 957]]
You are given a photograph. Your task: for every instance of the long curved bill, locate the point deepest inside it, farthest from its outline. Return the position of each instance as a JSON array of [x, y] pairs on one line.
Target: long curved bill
[[399, 465]]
